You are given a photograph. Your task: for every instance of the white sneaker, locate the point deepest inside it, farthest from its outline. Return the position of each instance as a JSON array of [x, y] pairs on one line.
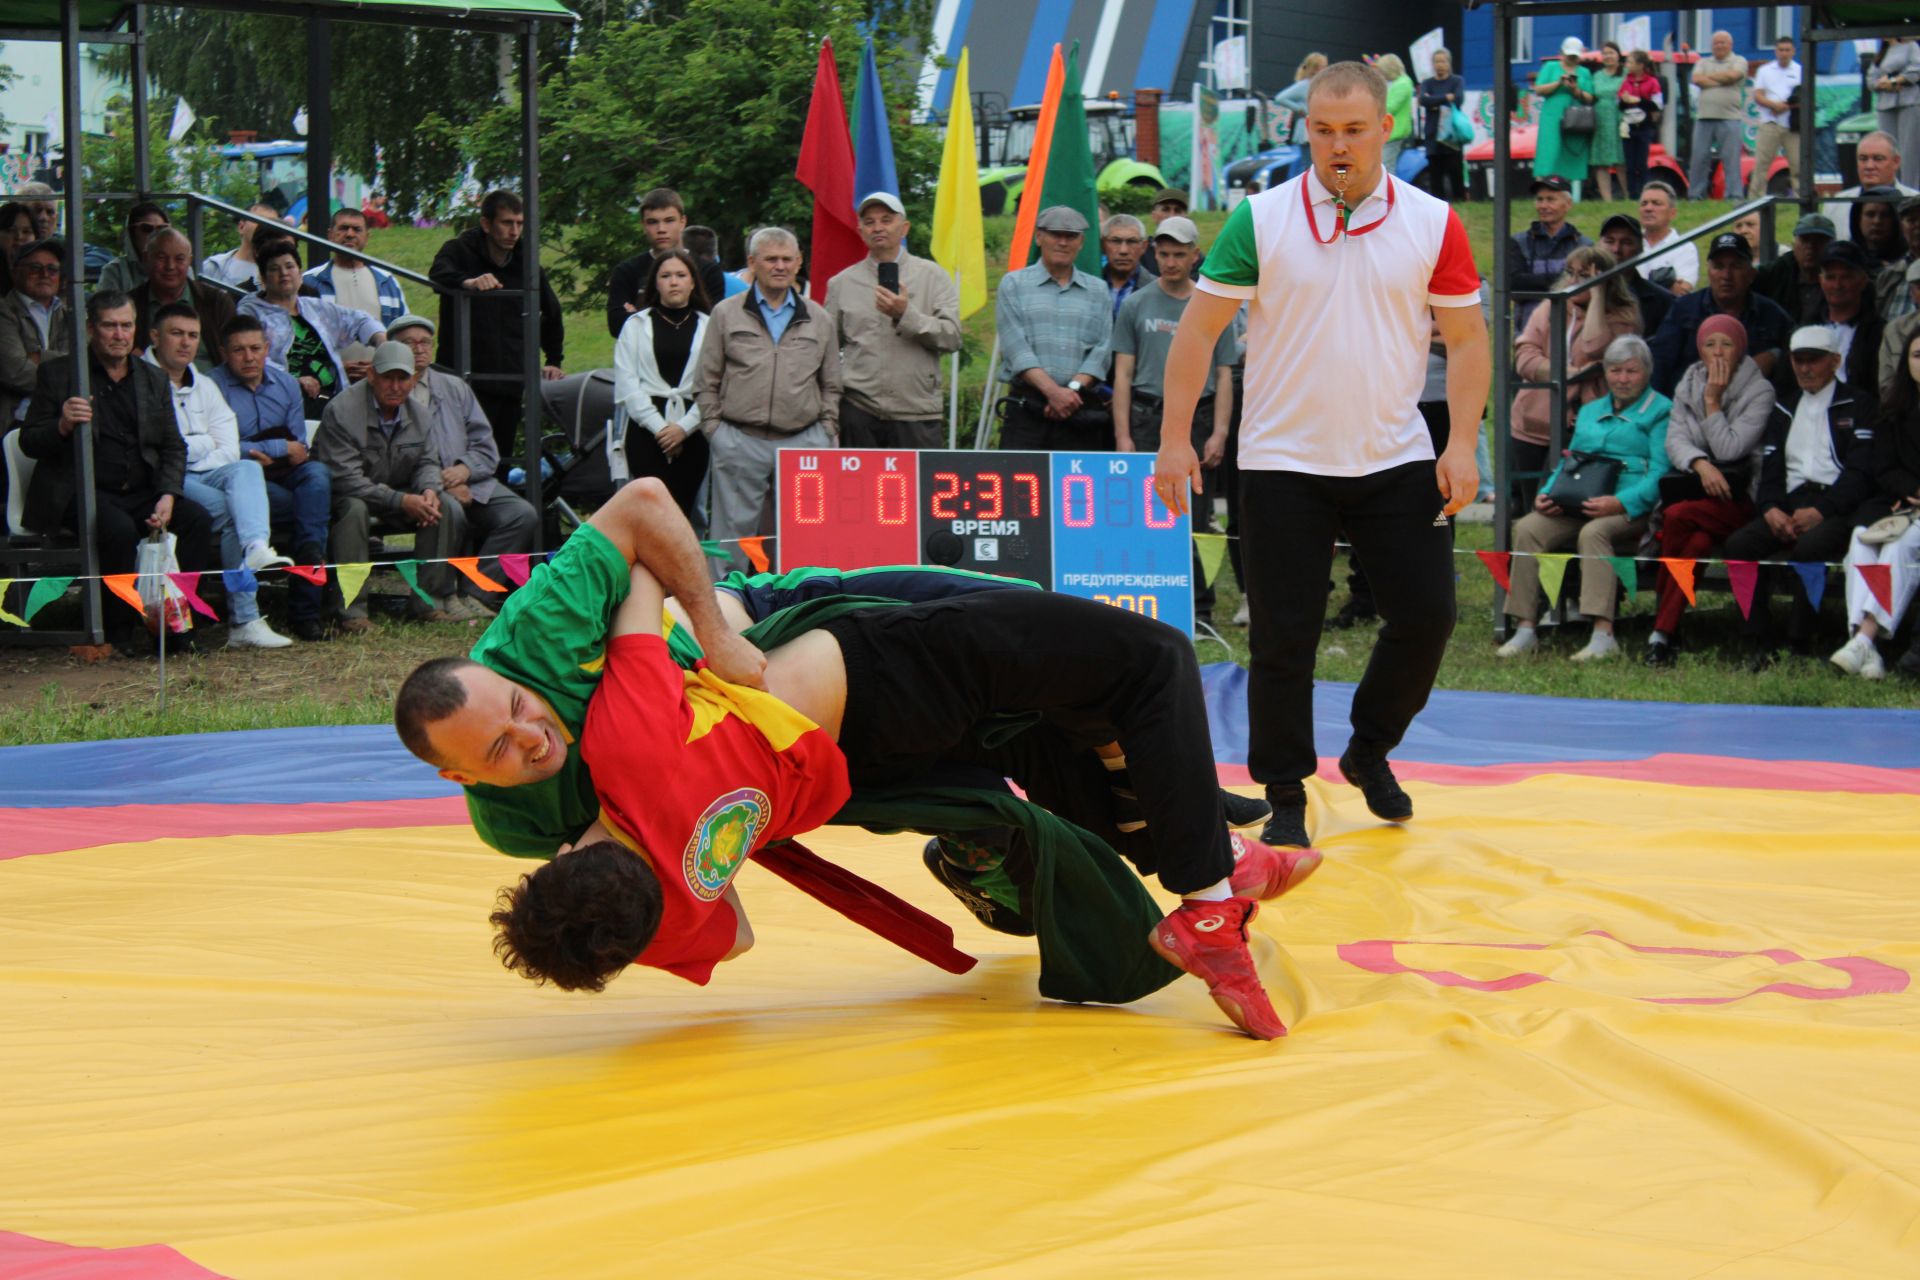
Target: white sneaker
[[256, 635], [1603, 645], [261, 556], [1858, 657], [1524, 640], [1241, 616], [1871, 667]]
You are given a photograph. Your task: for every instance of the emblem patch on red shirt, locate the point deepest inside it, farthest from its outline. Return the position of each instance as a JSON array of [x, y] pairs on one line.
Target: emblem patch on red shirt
[[722, 838]]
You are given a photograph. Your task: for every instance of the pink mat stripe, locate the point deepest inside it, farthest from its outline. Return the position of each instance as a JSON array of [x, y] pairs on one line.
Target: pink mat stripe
[[31, 831], [28, 1258]]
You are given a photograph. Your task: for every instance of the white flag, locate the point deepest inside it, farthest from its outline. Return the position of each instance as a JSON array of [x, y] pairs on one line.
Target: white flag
[[1635, 33], [1422, 53], [183, 119]]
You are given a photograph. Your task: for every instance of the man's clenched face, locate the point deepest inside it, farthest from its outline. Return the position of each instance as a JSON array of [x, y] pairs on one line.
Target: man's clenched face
[[504, 736]]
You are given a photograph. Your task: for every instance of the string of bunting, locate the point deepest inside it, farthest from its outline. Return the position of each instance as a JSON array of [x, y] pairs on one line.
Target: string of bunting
[[1210, 549]]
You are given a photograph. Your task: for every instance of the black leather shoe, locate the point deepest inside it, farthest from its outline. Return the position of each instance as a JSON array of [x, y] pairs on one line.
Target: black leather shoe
[[1244, 812], [309, 630], [1288, 825], [1368, 770], [1662, 655]]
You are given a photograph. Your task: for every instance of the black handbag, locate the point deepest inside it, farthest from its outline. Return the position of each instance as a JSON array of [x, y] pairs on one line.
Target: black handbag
[[1579, 120], [1584, 476]]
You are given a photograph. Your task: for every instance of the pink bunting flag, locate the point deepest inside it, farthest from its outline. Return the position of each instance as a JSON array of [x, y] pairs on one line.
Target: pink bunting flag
[[515, 567], [1742, 576], [1498, 564], [189, 584], [1879, 580], [1682, 571]]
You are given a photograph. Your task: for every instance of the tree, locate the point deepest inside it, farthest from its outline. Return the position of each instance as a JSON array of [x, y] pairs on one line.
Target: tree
[[176, 166]]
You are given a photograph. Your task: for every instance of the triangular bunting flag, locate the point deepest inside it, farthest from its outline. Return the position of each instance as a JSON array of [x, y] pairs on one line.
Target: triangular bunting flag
[[1813, 577], [45, 592], [240, 580], [515, 567], [410, 570], [1627, 569], [470, 565], [756, 549], [351, 578], [1743, 576], [314, 573], [1212, 549], [1878, 577], [715, 550], [1682, 571], [1497, 563], [4, 615], [121, 584], [189, 584], [1553, 572]]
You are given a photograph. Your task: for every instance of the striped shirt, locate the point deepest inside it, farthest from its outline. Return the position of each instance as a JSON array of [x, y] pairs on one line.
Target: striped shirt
[[393, 301], [1061, 330]]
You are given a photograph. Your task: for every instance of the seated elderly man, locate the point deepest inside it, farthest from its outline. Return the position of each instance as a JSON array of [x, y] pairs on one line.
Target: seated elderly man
[[481, 509], [377, 441], [232, 489], [305, 335], [1105, 708], [169, 280], [266, 404]]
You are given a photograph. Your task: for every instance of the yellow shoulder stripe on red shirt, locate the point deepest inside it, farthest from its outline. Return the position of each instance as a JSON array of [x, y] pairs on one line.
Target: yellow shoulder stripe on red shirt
[[712, 700]]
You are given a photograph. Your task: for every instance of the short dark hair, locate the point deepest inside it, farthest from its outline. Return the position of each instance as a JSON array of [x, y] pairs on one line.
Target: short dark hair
[[650, 296], [430, 694], [145, 207], [661, 198], [242, 323], [701, 242], [175, 311], [275, 247], [1341, 78], [103, 301], [11, 212], [580, 919], [344, 211], [498, 201]]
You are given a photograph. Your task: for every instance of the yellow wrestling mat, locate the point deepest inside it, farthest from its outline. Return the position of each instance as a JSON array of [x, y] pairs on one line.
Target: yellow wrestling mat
[[1560, 1027]]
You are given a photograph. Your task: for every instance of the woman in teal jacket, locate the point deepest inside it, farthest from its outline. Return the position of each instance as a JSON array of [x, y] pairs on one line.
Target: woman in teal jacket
[[1628, 424]]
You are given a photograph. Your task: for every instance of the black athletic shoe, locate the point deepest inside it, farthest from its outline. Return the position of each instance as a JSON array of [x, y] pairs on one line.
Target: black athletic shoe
[[1368, 770], [1287, 828], [310, 630], [1244, 813], [960, 883]]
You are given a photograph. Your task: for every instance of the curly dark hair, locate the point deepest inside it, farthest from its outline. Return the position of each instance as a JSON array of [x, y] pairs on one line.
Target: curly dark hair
[[580, 919]]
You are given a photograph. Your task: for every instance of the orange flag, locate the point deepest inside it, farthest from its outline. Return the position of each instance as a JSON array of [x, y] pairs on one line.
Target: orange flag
[[756, 549], [1031, 193], [470, 565], [121, 584], [1682, 571]]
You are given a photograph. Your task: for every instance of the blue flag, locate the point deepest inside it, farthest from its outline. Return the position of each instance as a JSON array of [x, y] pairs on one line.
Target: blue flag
[[872, 140], [1813, 579]]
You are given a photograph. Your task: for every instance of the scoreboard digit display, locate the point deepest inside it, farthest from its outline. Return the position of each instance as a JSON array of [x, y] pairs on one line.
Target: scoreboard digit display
[[1083, 524]]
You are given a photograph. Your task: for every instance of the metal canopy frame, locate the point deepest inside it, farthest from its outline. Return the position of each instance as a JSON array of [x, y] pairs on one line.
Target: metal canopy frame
[[319, 18]]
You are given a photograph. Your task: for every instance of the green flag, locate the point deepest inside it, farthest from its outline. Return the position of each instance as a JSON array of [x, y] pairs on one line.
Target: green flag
[[1070, 177], [1627, 570], [410, 570], [44, 592]]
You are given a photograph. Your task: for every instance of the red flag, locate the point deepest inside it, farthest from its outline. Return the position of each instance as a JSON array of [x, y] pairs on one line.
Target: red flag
[[1682, 571], [826, 169], [314, 573], [1742, 576], [1879, 580], [1498, 563]]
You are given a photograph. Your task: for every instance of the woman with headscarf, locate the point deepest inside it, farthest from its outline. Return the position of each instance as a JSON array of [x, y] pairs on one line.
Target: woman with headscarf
[[1719, 413], [1562, 84]]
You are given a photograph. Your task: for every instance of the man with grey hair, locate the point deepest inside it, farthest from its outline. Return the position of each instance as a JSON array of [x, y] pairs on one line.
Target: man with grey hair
[[170, 279], [1123, 241], [39, 199], [768, 379], [1718, 118], [1877, 163], [1056, 333]]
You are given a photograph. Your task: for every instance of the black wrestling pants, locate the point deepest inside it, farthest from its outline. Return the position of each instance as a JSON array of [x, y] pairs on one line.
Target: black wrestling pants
[[1289, 520], [924, 681]]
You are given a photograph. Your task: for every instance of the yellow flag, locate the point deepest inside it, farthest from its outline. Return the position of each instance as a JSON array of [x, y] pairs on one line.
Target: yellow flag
[[4, 615], [1553, 571], [959, 242], [351, 577], [1213, 549]]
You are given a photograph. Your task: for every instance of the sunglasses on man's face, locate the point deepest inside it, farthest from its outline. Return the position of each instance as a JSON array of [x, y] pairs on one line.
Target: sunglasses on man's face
[[40, 268]]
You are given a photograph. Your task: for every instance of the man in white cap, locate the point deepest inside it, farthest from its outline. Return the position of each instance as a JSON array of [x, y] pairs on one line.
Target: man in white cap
[[898, 315], [1055, 324], [378, 442], [1718, 118], [1816, 469]]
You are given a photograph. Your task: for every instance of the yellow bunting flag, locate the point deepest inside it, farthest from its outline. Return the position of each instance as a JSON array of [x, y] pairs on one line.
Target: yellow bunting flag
[[4, 615], [121, 584], [470, 565], [351, 578], [1212, 549], [1553, 571]]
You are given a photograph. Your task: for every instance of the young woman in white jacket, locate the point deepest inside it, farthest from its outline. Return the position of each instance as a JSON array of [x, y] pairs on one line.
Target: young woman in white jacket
[[654, 361]]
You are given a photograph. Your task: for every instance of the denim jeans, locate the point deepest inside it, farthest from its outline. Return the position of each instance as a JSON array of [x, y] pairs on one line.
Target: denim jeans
[[301, 501], [236, 497]]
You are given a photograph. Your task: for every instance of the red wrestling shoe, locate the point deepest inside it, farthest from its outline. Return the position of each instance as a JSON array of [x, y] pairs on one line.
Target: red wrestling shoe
[[1209, 941], [1262, 871]]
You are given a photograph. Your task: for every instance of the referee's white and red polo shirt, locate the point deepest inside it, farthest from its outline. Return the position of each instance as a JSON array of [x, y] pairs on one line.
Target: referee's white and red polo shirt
[[1339, 324]]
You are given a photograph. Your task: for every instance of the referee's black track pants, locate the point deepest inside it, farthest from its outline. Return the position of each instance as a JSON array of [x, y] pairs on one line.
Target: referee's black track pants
[[921, 681], [1288, 522]]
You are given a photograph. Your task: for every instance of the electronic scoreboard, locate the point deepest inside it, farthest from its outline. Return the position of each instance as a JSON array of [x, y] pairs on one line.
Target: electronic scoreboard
[[1083, 524]]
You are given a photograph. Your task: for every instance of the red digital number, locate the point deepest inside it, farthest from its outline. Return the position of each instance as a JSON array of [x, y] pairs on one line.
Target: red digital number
[[893, 486], [804, 481], [1070, 487], [1171, 519], [991, 487], [1033, 491], [949, 482]]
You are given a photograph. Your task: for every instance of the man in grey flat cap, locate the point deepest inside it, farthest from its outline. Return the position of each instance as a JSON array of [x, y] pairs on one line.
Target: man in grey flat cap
[[1056, 329]]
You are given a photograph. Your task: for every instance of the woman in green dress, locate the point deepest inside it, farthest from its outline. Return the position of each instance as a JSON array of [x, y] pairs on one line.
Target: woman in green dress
[[1560, 85], [1608, 152]]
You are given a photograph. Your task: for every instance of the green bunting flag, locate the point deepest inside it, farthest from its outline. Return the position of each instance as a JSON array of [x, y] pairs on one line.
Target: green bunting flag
[[715, 550], [45, 592], [1212, 549], [1553, 572], [410, 570], [1628, 570]]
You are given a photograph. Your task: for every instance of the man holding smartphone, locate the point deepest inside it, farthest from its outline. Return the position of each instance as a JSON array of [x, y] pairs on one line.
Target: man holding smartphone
[[898, 315]]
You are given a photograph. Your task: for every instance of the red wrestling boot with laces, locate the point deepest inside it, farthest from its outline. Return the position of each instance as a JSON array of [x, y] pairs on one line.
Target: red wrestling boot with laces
[[1209, 941], [1262, 871]]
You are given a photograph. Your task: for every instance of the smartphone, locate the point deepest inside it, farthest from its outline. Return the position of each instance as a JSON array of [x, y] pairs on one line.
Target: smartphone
[[889, 276]]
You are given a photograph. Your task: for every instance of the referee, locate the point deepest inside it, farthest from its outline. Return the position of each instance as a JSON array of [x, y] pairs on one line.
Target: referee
[[1346, 272]]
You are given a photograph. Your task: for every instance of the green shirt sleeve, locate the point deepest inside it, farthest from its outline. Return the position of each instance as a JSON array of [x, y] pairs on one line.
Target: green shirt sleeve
[[1234, 258]]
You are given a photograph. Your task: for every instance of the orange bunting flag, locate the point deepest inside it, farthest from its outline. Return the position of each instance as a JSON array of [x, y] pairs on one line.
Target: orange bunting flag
[[189, 584], [470, 565], [1879, 580], [1498, 564], [756, 549], [1682, 571], [1743, 576], [515, 567], [1036, 179], [121, 584]]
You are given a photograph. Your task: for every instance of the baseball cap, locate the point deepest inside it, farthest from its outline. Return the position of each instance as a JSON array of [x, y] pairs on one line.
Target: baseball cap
[[1815, 224], [886, 198], [52, 244], [392, 357], [1624, 223], [1061, 218], [1179, 230], [1814, 337], [1731, 242], [1847, 254], [1572, 44], [1168, 195], [1552, 182], [411, 321]]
